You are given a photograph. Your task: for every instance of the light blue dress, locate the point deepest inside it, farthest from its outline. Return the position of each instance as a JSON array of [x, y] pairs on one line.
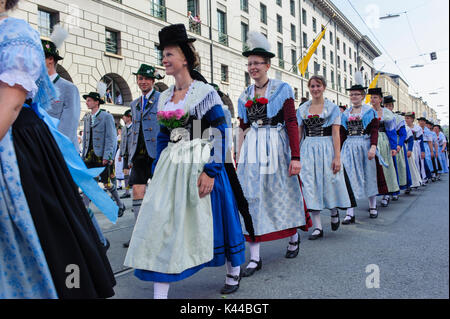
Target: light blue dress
[[274, 198], [361, 171], [321, 188], [24, 272], [442, 155]]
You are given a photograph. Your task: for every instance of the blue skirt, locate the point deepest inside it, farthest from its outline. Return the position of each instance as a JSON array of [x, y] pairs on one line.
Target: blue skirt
[[229, 242]]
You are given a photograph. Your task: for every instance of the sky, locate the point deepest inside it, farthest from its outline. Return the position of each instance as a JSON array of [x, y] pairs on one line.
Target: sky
[[408, 40]]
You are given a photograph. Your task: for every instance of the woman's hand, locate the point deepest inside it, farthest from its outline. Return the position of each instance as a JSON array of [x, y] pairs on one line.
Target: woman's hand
[[336, 165], [422, 155], [393, 153], [409, 154], [294, 168], [205, 185], [372, 152]]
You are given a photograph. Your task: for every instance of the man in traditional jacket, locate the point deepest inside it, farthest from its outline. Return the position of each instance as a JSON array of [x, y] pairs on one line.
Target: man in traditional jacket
[[100, 144], [67, 108], [126, 141], [145, 131]]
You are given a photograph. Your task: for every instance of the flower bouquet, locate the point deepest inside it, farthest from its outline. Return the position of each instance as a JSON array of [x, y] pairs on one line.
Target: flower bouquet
[[256, 101], [172, 119]]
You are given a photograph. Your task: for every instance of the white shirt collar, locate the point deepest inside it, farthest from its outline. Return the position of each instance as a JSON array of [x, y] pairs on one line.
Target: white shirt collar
[[129, 125], [97, 112], [53, 77], [147, 96]]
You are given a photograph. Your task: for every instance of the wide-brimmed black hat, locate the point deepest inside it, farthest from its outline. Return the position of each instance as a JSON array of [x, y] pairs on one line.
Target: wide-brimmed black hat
[[260, 52], [388, 99], [173, 34], [375, 91], [95, 96], [50, 50], [149, 72], [357, 87], [127, 113], [422, 118], [343, 107]]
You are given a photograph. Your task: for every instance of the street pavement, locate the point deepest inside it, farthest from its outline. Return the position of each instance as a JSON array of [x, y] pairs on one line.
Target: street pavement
[[407, 245]]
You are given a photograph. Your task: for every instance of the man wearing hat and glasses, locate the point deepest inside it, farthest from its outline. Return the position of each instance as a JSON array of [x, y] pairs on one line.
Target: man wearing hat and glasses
[[145, 130], [99, 144], [67, 107]]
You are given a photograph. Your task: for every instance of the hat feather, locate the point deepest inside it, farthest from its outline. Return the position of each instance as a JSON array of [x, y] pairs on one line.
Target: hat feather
[[257, 40], [101, 88], [59, 35], [359, 78]]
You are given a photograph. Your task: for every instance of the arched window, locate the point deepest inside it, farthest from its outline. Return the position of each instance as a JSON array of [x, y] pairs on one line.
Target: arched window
[[117, 89]]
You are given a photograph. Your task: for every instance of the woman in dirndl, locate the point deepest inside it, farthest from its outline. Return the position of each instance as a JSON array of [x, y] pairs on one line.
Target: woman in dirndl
[[269, 159], [413, 152], [321, 173], [189, 217], [360, 124], [387, 147], [46, 234]]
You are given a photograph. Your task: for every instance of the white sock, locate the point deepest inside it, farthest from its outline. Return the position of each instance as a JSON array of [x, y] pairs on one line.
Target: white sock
[[254, 254], [293, 239], [350, 212], [233, 271], [160, 290], [373, 202], [334, 215], [315, 216]]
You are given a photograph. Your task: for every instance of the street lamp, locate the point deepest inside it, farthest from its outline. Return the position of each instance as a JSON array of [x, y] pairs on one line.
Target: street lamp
[[390, 16], [417, 66]]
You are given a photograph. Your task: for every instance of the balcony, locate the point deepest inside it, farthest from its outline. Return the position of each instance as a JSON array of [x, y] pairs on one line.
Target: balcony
[[195, 27], [294, 69], [281, 63], [223, 38], [158, 11]]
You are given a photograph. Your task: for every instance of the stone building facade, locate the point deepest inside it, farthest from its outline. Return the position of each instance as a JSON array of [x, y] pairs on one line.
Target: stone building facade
[[109, 39]]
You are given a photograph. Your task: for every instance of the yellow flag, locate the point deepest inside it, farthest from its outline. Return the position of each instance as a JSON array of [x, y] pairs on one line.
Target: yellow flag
[[303, 65], [371, 86]]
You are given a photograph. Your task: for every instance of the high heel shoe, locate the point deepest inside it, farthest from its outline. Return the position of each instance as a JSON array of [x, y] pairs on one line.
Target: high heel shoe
[[250, 271], [229, 289], [293, 253]]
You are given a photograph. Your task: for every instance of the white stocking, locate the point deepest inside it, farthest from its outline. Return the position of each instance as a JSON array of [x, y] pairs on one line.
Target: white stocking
[[160, 290]]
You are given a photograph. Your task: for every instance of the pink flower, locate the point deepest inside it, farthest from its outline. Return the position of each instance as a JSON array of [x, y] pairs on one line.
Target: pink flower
[[179, 113]]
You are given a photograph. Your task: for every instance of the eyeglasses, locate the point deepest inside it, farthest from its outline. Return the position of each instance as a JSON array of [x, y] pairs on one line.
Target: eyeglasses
[[255, 63], [355, 94]]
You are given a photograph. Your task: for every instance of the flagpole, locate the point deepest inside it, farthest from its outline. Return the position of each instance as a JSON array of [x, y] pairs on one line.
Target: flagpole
[[314, 39]]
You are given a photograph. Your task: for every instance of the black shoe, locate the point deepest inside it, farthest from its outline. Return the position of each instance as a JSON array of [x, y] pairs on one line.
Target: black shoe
[[121, 211], [408, 190], [125, 195], [335, 226], [293, 253], [394, 198], [373, 215], [384, 202], [319, 235], [250, 271], [229, 289], [348, 221], [127, 244]]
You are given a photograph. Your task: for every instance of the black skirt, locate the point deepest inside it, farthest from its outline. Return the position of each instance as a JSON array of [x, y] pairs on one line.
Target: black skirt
[[74, 254]]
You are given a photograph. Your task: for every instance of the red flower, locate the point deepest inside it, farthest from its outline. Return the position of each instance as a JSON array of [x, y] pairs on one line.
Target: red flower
[[249, 103], [262, 100], [379, 119], [310, 116]]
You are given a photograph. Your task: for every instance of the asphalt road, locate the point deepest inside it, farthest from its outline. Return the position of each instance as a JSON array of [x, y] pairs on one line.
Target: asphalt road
[[407, 245]]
